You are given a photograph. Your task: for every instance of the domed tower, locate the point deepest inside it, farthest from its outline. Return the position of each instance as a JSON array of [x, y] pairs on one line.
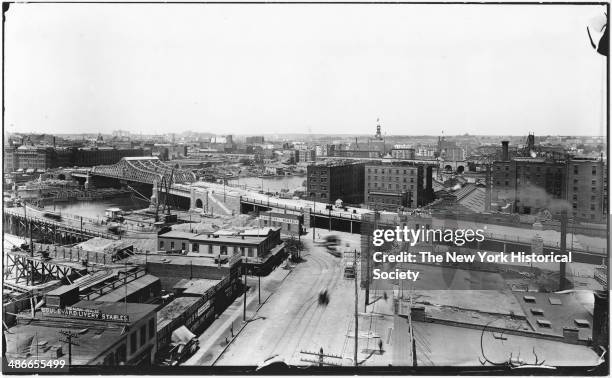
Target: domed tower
[[378, 133]]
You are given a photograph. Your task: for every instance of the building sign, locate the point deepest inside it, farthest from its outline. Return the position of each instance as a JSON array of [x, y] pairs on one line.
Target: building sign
[[83, 313], [284, 220], [203, 308]]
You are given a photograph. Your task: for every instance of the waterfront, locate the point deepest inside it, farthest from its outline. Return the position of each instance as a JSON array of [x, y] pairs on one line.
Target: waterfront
[[94, 209]]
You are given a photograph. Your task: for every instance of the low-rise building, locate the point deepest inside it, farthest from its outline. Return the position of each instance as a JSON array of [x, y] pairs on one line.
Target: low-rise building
[[108, 333]]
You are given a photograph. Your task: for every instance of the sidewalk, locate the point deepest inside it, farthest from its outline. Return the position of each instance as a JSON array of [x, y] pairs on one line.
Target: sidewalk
[[213, 340]]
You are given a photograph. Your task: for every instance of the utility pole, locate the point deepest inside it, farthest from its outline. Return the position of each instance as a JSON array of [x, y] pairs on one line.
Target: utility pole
[[69, 336], [245, 292], [313, 219], [31, 262], [259, 285], [356, 313]]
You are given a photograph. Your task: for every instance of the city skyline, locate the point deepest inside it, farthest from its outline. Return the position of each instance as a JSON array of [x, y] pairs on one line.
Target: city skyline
[[399, 63]]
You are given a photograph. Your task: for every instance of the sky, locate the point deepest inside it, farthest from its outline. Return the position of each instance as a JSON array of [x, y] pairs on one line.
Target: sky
[[303, 68]]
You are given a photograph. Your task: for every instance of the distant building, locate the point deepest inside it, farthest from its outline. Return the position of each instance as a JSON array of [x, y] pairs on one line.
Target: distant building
[[449, 150], [588, 189], [254, 140], [362, 154], [403, 152], [332, 180], [32, 157], [389, 186], [306, 155], [535, 184]]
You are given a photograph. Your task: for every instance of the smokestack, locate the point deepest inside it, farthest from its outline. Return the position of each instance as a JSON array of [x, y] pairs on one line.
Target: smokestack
[[505, 155], [562, 248], [531, 142]]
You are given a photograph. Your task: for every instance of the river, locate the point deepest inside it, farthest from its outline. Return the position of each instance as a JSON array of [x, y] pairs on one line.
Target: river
[[94, 209]]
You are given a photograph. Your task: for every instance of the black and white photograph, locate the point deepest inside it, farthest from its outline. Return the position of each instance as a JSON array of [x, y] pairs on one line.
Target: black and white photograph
[[358, 188]]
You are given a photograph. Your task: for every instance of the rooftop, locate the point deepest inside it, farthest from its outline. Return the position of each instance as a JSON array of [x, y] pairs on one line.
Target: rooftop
[[196, 286], [173, 309], [133, 286], [561, 310]]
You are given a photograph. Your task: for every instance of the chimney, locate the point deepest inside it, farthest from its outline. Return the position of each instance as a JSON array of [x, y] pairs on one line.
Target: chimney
[[505, 155], [562, 248]]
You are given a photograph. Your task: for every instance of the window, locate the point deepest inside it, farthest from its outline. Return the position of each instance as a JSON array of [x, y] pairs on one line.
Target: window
[[121, 353], [183, 246], [224, 250], [171, 245], [161, 244], [594, 170], [143, 335], [151, 328], [575, 169], [133, 345], [195, 247], [593, 182]]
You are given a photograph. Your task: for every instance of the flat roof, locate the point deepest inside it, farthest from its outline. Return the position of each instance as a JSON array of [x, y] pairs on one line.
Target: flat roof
[[450, 346], [133, 286], [177, 234], [189, 259], [196, 286], [234, 239], [173, 310], [560, 311], [41, 336]]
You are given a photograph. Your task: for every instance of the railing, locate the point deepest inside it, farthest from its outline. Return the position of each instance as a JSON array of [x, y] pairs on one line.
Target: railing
[[333, 213], [60, 226]]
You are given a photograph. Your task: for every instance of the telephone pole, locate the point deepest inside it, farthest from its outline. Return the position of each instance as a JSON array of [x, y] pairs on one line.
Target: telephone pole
[[245, 292], [68, 340], [356, 313]]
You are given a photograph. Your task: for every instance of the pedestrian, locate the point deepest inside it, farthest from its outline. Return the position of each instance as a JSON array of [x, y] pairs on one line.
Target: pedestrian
[[380, 346]]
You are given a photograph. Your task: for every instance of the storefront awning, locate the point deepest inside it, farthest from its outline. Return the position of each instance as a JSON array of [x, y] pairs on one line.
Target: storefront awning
[[182, 335]]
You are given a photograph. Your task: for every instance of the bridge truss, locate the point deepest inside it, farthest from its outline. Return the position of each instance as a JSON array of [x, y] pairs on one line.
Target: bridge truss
[[145, 170]]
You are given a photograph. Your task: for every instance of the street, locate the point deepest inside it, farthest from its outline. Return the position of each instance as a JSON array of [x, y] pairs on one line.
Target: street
[[292, 320]]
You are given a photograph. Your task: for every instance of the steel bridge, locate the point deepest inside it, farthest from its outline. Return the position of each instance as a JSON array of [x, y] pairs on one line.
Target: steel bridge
[[143, 169]]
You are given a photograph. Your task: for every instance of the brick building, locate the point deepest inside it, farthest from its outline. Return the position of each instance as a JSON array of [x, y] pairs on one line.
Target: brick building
[[389, 186], [542, 183], [332, 180]]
